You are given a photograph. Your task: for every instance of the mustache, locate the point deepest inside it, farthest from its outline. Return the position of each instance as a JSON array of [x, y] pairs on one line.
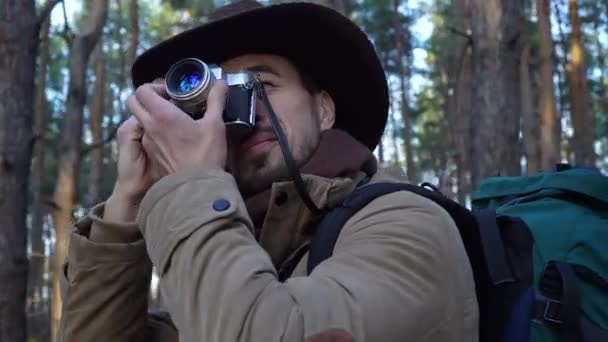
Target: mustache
[[264, 129]]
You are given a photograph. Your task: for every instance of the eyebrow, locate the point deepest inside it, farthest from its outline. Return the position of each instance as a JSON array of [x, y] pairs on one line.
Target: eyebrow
[[263, 68]]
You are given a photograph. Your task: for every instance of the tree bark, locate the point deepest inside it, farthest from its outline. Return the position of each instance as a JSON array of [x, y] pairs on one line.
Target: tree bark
[[37, 259], [603, 92], [495, 89], [460, 100], [18, 43], [381, 153], [549, 138], [403, 81], [488, 93], [582, 120], [530, 117], [395, 137], [95, 122], [71, 142], [513, 39], [561, 71], [133, 30]]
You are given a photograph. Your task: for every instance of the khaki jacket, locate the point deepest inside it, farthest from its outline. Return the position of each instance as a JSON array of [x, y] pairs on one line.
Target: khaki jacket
[[399, 271]]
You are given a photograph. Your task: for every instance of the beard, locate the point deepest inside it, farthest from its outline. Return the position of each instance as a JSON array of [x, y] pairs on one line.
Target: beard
[[258, 173]]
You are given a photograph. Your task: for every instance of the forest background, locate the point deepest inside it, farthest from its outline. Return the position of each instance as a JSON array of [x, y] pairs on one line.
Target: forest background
[[478, 88]]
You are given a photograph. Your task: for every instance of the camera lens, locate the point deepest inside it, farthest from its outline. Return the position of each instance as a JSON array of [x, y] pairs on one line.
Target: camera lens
[[188, 82], [187, 78]]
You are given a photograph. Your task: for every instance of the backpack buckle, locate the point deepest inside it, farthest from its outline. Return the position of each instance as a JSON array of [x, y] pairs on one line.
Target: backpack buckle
[[552, 311]]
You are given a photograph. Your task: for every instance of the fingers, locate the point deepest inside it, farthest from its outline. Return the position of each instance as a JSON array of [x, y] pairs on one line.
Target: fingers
[[153, 98], [158, 86], [129, 130], [216, 101], [138, 111], [129, 136]]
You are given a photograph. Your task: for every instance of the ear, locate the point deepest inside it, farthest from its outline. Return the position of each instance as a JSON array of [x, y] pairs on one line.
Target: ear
[[326, 109]]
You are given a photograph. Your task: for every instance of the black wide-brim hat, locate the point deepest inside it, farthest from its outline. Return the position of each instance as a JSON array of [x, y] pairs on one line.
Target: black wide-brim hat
[[320, 41]]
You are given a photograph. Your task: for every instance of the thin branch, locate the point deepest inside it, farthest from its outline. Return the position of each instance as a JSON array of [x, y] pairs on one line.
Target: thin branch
[[46, 10], [67, 33], [456, 31], [50, 202], [95, 145]]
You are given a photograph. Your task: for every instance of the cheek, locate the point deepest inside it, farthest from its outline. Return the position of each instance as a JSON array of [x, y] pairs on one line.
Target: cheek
[[296, 115], [299, 122]]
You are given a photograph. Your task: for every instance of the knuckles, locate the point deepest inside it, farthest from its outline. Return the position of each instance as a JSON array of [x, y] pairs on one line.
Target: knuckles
[[140, 92], [146, 142], [124, 130]]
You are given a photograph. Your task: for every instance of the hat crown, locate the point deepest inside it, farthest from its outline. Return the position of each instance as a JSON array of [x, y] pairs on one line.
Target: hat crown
[[234, 8]]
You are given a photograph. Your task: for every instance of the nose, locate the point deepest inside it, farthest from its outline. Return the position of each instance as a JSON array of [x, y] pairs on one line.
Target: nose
[[261, 114]]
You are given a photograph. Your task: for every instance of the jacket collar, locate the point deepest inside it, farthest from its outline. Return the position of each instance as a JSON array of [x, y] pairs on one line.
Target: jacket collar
[[288, 223]]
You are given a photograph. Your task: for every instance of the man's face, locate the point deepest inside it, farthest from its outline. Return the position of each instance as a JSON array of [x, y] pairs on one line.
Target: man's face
[[302, 115]]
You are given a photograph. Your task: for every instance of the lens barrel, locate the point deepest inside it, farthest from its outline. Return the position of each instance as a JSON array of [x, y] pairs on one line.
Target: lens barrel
[[188, 83]]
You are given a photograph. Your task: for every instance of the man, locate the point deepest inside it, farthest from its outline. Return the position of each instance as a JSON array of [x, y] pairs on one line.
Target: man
[[221, 241]]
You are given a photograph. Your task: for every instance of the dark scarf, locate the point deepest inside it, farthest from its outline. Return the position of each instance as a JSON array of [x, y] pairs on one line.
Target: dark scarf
[[338, 155]]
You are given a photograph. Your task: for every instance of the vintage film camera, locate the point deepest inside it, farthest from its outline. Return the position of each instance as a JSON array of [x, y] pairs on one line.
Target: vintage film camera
[[189, 81]]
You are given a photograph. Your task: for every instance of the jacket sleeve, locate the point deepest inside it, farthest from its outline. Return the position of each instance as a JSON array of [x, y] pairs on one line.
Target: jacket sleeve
[[104, 288], [388, 280]]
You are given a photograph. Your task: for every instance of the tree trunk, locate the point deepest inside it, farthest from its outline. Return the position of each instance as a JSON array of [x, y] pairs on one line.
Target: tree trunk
[[37, 259], [513, 39], [530, 118], [96, 116], [496, 27], [549, 133], [603, 92], [395, 137], [380, 153], [18, 43], [133, 30], [582, 120], [460, 100], [109, 161], [488, 92], [410, 168], [69, 161], [561, 75], [122, 57]]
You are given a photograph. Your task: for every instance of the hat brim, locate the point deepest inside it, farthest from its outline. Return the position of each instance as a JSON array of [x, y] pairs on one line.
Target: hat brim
[[319, 41]]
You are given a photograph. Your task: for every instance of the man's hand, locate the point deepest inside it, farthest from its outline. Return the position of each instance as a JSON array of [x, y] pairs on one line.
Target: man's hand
[[172, 140], [135, 174]]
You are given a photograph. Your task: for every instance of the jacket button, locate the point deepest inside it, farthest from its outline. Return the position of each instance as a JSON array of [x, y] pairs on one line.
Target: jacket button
[[221, 204], [281, 198]]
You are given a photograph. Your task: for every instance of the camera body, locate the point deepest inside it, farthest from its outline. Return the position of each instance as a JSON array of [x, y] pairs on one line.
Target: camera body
[[189, 81]]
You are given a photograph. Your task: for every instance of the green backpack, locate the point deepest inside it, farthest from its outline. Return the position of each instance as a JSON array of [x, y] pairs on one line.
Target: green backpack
[[566, 212], [538, 248]]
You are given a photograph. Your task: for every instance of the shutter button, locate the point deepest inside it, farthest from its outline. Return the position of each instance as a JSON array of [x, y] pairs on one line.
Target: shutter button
[[221, 204]]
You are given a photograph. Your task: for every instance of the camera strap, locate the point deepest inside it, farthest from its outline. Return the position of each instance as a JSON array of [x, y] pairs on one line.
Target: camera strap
[[292, 168]]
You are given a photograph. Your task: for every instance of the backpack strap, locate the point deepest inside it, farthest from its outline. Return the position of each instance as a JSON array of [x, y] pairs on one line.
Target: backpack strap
[[326, 234], [493, 247], [480, 230], [335, 217], [559, 304]]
